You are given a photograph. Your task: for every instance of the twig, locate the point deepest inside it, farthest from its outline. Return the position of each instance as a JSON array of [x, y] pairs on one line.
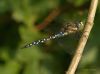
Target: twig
[[49, 18], [83, 40]]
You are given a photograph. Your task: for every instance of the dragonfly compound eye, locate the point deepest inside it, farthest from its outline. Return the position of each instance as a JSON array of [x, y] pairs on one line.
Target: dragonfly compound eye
[[80, 25]]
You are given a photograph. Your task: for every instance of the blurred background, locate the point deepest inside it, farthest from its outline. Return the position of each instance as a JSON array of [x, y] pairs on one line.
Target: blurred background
[[23, 21]]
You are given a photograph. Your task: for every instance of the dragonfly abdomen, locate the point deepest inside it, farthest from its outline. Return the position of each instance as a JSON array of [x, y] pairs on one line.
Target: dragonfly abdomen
[[44, 40]]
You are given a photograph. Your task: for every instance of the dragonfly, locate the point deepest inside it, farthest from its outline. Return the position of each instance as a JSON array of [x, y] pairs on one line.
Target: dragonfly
[[68, 28]]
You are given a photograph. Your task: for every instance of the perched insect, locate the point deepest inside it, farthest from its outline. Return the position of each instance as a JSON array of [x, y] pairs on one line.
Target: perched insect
[[71, 27]]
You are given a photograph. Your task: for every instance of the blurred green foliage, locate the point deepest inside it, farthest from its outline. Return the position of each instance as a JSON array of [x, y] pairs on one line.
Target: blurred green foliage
[[18, 20]]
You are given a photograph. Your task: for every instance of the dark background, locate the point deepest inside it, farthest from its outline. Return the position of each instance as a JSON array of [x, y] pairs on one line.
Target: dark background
[[22, 21]]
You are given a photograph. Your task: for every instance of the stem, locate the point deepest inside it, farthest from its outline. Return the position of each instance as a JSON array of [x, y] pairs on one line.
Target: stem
[[83, 39]]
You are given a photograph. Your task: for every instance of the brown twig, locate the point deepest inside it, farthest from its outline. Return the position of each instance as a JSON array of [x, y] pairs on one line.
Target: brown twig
[[83, 40], [49, 18]]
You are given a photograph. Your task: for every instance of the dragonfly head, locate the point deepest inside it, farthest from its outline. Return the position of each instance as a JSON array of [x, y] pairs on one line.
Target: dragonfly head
[[80, 25]]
